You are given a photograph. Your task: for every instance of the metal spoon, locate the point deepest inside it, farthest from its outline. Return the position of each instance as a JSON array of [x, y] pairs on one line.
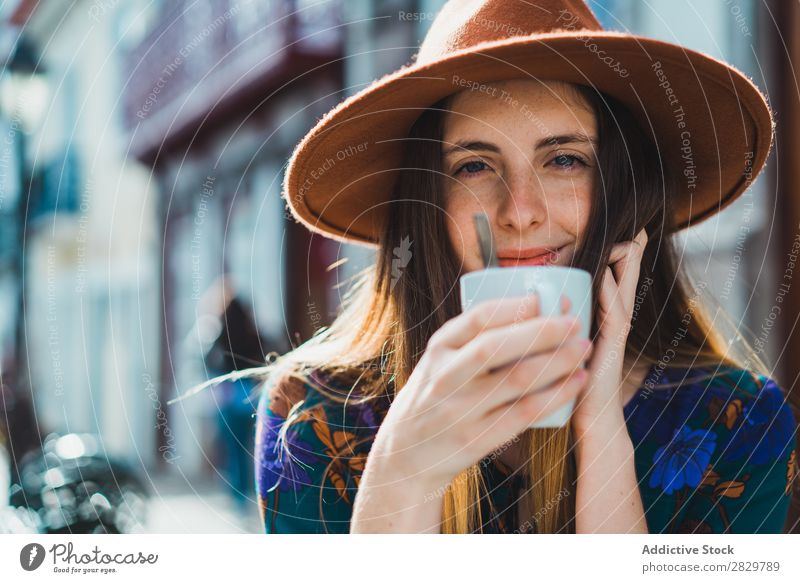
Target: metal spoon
[[485, 240]]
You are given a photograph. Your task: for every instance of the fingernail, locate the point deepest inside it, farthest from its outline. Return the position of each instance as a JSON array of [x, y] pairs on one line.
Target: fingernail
[[573, 324]]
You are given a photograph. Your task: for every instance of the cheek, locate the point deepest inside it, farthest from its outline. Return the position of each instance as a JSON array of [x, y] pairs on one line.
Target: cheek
[[574, 210], [582, 214]]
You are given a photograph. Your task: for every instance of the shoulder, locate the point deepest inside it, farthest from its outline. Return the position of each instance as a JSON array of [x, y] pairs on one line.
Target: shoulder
[[310, 452], [316, 394], [718, 385], [308, 423], [280, 392], [731, 401], [717, 428], [739, 399], [750, 430], [755, 421], [306, 437], [745, 413]]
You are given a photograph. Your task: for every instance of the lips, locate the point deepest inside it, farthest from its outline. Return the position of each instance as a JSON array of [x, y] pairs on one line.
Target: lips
[[547, 258]]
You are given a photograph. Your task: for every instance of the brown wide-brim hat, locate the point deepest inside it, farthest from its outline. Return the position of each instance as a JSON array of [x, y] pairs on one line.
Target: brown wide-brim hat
[[709, 120]]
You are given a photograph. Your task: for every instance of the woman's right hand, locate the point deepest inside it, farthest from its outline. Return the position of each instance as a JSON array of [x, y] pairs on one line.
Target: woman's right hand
[[485, 376]]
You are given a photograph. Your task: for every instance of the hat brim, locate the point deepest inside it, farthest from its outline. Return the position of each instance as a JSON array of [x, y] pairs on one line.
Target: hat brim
[[340, 175]]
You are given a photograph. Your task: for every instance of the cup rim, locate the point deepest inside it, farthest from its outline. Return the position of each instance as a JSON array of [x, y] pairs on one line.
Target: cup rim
[[487, 270]]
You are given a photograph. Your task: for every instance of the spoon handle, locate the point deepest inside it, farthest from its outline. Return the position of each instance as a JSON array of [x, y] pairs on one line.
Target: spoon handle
[[485, 240]]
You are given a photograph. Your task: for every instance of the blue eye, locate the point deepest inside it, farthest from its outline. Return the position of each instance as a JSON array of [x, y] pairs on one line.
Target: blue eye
[[563, 161], [472, 164], [569, 159]]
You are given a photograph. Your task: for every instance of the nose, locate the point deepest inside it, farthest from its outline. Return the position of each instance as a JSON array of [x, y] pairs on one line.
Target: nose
[[523, 203]]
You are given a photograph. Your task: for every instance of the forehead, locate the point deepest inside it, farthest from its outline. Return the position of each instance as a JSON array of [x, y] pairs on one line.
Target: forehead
[[544, 107]]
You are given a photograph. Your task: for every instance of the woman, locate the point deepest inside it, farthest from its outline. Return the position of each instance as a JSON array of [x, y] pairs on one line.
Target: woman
[[422, 410]]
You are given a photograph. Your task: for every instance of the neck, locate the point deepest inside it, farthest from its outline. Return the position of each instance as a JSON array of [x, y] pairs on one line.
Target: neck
[[633, 376]]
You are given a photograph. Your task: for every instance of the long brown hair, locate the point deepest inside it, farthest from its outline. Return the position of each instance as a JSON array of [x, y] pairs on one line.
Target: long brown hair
[[394, 306]]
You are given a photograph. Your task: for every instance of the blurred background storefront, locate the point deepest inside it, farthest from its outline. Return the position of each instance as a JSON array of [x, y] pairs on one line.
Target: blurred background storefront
[[142, 152]]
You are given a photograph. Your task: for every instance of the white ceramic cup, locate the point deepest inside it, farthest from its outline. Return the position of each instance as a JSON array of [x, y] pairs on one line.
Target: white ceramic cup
[[549, 282]]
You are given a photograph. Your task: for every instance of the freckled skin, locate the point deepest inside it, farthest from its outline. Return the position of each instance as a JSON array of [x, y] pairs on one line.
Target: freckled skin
[[533, 198]]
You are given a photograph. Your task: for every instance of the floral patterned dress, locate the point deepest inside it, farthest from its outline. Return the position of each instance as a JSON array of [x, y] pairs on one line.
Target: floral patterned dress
[[712, 455]]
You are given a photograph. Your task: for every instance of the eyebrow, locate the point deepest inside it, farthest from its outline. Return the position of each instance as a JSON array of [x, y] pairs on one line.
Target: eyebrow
[[478, 146]]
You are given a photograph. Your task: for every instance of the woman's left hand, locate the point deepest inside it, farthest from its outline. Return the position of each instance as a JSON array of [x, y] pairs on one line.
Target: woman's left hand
[[602, 398]]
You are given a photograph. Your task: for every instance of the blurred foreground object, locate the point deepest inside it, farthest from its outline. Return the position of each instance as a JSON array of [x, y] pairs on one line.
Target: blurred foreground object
[[71, 486]]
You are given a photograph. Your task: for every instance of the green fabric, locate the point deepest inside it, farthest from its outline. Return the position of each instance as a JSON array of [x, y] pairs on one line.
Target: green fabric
[[711, 456]]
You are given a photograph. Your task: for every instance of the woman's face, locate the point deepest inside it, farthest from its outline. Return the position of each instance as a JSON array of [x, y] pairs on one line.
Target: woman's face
[[524, 153]]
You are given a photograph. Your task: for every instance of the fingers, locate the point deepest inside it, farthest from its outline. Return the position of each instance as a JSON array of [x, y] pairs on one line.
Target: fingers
[[533, 374], [622, 250], [458, 331], [609, 292], [641, 238], [565, 304], [518, 415], [625, 261], [498, 347]]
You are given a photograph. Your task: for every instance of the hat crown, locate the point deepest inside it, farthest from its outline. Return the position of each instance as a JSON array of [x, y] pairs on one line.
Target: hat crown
[[465, 23]]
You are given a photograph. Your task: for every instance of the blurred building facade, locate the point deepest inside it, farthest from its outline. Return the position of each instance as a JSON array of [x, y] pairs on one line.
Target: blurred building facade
[[217, 94], [89, 251]]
